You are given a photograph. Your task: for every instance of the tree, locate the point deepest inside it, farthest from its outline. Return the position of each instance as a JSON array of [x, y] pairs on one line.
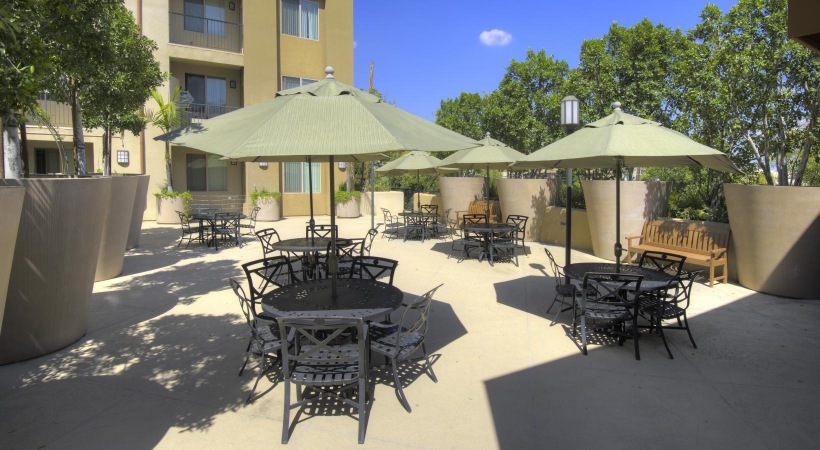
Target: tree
[[463, 115], [166, 117], [129, 78]]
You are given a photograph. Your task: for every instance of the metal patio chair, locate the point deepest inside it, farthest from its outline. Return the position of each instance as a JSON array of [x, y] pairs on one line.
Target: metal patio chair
[[671, 303], [189, 232], [609, 300]]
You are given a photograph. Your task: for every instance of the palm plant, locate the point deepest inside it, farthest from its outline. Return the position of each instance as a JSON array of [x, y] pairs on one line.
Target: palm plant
[[166, 118]]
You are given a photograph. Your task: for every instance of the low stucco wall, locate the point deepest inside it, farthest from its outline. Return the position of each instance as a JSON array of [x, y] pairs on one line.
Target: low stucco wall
[[554, 231], [11, 203], [527, 197], [391, 200], [458, 192], [116, 227], [55, 259], [140, 205]]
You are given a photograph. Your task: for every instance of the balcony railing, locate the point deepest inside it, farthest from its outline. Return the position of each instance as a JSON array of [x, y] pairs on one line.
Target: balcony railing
[[207, 33], [59, 113], [197, 112]]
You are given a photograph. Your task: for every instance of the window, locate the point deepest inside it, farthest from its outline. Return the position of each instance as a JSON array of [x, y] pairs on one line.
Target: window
[[210, 95], [206, 173], [300, 18], [205, 16], [297, 176], [292, 82]]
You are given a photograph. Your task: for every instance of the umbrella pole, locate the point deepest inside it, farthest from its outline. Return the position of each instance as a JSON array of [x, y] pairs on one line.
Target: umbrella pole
[[332, 261], [310, 190], [618, 247], [372, 197], [487, 198], [418, 189], [568, 245]]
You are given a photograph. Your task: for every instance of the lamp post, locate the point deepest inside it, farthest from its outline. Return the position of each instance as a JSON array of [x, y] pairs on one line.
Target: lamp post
[[570, 121]]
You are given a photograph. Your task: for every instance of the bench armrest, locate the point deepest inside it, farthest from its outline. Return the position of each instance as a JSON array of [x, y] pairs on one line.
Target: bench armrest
[[717, 253], [629, 239]]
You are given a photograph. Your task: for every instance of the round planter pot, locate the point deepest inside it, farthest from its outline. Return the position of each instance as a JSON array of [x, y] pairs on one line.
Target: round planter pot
[[527, 197], [270, 210], [116, 228], [776, 236], [11, 203], [167, 208], [458, 192], [55, 258], [350, 209], [140, 204], [640, 200]]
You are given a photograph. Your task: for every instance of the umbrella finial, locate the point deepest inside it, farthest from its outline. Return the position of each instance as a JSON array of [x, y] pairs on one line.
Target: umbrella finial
[[616, 106], [329, 72], [487, 134]]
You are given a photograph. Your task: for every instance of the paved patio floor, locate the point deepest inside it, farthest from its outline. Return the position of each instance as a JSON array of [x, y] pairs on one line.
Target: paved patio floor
[[158, 366]]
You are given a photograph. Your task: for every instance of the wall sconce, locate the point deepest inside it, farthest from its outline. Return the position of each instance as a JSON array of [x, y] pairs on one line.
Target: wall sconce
[[122, 157], [233, 163], [233, 84], [342, 165], [231, 6], [263, 165]]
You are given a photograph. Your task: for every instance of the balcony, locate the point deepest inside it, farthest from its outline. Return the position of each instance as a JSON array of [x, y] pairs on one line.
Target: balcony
[[207, 33], [197, 112], [59, 114]]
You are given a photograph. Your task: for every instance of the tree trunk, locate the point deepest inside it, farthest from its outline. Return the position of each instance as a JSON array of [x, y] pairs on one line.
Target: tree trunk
[[79, 138], [106, 151], [24, 150], [168, 178], [11, 146]]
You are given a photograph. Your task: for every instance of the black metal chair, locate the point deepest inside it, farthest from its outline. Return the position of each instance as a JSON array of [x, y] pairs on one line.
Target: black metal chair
[[430, 223], [503, 245], [367, 244], [373, 268], [447, 225], [267, 237], [671, 303], [250, 225], [346, 251], [414, 226], [611, 297], [520, 223], [662, 262], [392, 225], [189, 232], [226, 226], [265, 340], [320, 231], [265, 275], [563, 290], [469, 240], [322, 365], [398, 341]]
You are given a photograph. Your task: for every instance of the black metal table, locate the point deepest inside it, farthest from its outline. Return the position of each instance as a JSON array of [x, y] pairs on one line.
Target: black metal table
[[211, 219], [485, 230], [357, 298], [309, 248], [652, 279], [418, 218]]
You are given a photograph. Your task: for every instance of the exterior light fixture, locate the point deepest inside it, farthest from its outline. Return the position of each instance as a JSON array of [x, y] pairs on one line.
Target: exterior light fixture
[[342, 165], [233, 84], [570, 121], [263, 164], [122, 157]]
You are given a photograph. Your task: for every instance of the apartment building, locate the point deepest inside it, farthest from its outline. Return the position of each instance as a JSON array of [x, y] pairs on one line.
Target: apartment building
[[224, 55]]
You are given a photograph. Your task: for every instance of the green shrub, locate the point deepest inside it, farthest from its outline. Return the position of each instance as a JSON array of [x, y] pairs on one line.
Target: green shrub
[[264, 196], [343, 197], [185, 196]]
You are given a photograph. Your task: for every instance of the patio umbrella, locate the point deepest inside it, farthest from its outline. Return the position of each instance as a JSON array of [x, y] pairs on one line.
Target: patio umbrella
[[490, 154], [327, 120], [619, 140], [417, 161]]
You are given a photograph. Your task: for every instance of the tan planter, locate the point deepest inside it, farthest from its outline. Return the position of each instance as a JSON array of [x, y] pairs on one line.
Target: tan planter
[[554, 228], [527, 197], [640, 200], [458, 192], [428, 199], [167, 208], [55, 258], [116, 227], [270, 210], [140, 204], [392, 200], [11, 203], [776, 236], [350, 209]]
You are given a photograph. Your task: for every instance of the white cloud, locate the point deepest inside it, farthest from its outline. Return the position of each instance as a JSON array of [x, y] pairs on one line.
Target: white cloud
[[495, 38]]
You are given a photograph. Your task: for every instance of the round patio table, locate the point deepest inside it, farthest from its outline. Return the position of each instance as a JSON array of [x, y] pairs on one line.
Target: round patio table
[[210, 217], [417, 222], [302, 244], [485, 229], [652, 279], [356, 298]]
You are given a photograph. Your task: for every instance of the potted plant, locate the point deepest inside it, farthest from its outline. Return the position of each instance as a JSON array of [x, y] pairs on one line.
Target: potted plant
[[269, 203], [169, 202], [348, 204]]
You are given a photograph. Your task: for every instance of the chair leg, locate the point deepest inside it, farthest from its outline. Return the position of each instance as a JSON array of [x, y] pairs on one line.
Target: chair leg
[[636, 336], [686, 323], [584, 335], [286, 413], [399, 389], [362, 408], [247, 357], [430, 372], [663, 337], [262, 370]]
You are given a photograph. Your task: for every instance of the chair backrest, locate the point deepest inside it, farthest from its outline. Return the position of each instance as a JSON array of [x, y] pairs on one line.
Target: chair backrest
[[186, 222], [503, 235], [662, 262], [611, 288], [227, 220], [320, 231], [245, 304], [267, 274], [373, 268], [519, 221], [316, 345], [446, 215], [388, 218], [474, 218], [557, 271], [254, 213], [680, 291], [429, 209], [267, 237], [367, 244], [415, 319]]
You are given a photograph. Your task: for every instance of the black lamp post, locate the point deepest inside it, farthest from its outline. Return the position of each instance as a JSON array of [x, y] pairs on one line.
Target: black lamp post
[[570, 122]]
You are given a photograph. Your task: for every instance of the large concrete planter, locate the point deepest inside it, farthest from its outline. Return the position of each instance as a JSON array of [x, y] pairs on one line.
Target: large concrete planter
[[11, 203], [527, 197], [270, 209], [776, 236], [140, 204], [640, 200], [167, 208], [458, 192], [391, 200], [116, 228], [349, 209], [55, 259]]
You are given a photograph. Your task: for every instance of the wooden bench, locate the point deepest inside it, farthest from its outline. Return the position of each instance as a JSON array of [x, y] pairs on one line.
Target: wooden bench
[[480, 207], [702, 243]]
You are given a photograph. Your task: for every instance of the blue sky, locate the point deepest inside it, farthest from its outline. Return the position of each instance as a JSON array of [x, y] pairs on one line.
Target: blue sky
[[425, 51]]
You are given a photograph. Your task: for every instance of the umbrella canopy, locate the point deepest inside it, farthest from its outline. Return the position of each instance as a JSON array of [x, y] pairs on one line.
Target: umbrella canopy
[[326, 119], [416, 161], [619, 140], [491, 154]]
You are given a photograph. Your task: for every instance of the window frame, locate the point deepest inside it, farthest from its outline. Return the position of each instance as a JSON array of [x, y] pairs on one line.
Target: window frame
[[317, 178], [300, 33], [302, 81], [206, 169]]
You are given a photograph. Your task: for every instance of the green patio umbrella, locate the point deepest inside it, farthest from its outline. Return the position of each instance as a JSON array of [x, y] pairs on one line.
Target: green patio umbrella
[[623, 140], [490, 154], [416, 161], [326, 120]]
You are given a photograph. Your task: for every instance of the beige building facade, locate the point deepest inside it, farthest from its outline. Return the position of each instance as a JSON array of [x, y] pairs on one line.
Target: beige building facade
[[224, 55]]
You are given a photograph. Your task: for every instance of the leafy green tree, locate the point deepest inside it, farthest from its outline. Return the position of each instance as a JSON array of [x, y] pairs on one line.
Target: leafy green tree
[[129, 78], [166, 118], [463, 115]]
